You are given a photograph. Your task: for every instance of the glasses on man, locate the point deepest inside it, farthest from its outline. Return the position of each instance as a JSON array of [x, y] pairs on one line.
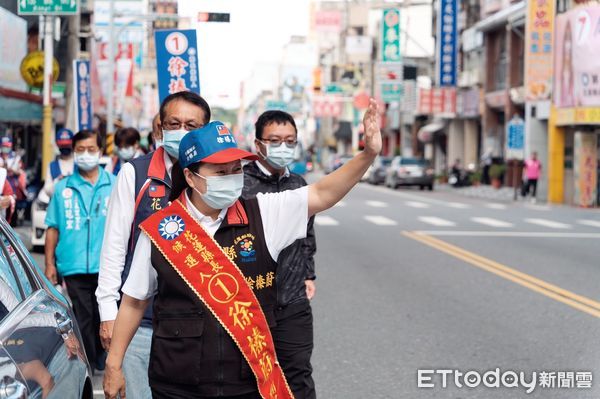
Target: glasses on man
[[276, 142], [176, 125], [92, 150]]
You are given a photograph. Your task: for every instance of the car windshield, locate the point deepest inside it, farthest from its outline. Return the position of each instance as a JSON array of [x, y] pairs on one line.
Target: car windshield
[[386, 161], [413, 161]]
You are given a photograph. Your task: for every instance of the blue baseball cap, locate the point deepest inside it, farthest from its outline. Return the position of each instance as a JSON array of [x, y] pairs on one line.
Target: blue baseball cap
[[6, 141], [64, 138], [212, 143]]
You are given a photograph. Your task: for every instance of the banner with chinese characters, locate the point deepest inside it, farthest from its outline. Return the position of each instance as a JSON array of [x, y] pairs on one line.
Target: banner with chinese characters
[[538, 49], [390, 36], [586, 175], [83, 96], [176, 62], [447, 43], [576, 64]]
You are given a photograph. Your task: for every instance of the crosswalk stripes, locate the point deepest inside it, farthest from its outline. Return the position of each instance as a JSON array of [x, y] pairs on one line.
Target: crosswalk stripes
[[548, 223], [491, 222], [417, 204], [458, 205], [495, 205], [324, 220], [435, 221], [377, 204], [381, 220], [591, 223]]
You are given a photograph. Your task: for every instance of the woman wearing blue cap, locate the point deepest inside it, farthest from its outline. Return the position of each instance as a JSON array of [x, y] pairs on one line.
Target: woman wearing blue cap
[[208, 259]]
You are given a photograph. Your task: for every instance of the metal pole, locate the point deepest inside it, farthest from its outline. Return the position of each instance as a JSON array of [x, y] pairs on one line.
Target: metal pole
[[47, 94], [111, 75]]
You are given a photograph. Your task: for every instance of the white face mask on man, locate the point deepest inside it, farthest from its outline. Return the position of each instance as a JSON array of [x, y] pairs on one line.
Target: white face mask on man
[[87, 161], [221, 191], [171, 140]]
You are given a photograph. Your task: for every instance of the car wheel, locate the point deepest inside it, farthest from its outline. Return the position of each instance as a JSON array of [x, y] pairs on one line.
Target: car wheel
[[430, 187], [421, 188]]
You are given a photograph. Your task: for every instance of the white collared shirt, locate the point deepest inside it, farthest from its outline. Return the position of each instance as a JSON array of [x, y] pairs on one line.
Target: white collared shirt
[[286, 172], [119, 219], [284, 218]]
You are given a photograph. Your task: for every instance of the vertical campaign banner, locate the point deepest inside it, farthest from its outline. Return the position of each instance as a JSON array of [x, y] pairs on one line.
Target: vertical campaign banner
[[515, 138], [176, 62], [538, 49], [390, 36], [83, 96], [447, 43]]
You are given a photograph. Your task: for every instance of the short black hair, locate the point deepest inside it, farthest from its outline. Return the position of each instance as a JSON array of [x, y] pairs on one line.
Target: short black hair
[[273, 116], [189, 97], [127, 136], [86, 134]]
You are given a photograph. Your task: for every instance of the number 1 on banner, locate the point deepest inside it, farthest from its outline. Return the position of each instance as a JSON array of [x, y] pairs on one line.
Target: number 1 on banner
[[176, 43]]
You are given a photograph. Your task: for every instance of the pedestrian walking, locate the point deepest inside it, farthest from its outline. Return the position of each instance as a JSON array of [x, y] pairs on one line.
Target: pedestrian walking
[[63, 165], [212, 335], [533, 170], [276, 141], [75, 219], [142, 188], [127, 141]]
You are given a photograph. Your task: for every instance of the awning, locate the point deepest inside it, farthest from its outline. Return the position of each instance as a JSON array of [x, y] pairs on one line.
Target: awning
[[500, 18], [427, 132], [16, 106]]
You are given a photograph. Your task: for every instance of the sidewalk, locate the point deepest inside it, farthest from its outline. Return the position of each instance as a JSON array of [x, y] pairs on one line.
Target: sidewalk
[[503, 194]]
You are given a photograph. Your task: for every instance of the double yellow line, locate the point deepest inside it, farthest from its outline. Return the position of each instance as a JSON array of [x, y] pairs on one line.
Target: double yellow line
[[569, 298]]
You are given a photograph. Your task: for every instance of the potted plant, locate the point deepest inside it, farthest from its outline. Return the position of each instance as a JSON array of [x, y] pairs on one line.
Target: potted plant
[[475, 178], [496, 174]]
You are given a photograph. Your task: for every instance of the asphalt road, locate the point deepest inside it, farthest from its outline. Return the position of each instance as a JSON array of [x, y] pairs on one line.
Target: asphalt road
[[411, 280]]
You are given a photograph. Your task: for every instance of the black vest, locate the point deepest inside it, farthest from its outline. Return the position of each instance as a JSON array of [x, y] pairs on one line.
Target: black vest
[[192, 352], [154, 198]]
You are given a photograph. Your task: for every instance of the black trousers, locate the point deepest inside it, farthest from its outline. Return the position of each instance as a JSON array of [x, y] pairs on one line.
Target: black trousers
[[82, 291], [159, 392], [293, 338], [531, 187]]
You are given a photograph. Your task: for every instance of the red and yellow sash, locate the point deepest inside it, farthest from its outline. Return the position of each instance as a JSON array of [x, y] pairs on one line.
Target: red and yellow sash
[[217, 281]]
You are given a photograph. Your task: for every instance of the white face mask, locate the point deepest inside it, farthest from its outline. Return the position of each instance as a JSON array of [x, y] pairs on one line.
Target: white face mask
[[87, 161], [126, 153], [171, 140], [279, 157], [222, 191]]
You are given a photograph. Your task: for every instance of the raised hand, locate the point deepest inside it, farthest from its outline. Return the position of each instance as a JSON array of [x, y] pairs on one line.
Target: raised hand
[[372, 135]]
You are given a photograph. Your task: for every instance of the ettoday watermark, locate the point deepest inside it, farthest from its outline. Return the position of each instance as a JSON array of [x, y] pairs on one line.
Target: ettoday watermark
[[496, 378]]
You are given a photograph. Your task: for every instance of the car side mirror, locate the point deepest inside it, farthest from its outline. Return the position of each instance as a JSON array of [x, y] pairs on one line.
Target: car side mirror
[[12, 389]]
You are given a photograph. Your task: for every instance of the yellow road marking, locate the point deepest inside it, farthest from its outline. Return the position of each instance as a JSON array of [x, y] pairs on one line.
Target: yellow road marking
[[576, 301]]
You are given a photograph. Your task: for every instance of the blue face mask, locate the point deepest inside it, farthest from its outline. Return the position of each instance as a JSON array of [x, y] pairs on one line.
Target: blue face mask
[[87, 161], [171, 140], [222, 191], [281, 156]]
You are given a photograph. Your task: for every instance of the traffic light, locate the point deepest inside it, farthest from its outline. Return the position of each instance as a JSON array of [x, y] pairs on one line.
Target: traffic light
[[213, 17]]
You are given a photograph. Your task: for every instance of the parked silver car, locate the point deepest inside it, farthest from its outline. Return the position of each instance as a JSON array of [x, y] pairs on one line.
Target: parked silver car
[[377, 171], [405, 171], [41, 351]]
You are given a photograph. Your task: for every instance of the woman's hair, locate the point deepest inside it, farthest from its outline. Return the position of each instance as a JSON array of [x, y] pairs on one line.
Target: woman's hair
[[178, 182]]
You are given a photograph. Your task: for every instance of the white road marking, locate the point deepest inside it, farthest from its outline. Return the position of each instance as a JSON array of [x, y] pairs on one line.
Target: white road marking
[[381, 220], [377, 204], [538, 207], [324, 220], [340, 204], [416, 204], [525, 234], [495, 205], [458, 205], [592, 223], [548, 223], [491, 222], [436, 221]]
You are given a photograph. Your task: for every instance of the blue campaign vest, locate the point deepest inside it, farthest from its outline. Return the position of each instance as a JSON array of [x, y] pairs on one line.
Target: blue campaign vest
[[55, 169], [152, 189]]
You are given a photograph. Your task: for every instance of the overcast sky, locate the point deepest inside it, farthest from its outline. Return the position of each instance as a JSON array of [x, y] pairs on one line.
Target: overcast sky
[[256, 34]]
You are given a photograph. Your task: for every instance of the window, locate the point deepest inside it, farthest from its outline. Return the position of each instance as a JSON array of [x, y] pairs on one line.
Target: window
[[13, 270]]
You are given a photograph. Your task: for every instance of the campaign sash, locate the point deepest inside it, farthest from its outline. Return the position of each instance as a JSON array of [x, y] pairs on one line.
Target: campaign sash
[[216, 280]]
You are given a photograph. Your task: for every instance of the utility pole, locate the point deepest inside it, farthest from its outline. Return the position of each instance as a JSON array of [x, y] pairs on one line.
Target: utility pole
[[110, 123], [73, 48], [47, 93]]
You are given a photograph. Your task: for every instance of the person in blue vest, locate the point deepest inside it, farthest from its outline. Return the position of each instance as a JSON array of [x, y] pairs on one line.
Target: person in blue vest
[[127, 141], [62, 165], [142, 188], [75, 218]]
